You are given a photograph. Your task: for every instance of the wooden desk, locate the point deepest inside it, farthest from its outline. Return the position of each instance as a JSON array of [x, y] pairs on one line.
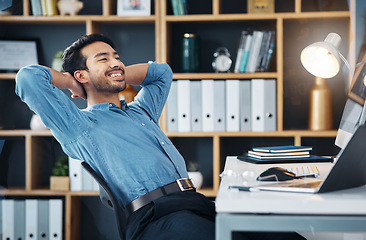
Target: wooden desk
[[339, 211]]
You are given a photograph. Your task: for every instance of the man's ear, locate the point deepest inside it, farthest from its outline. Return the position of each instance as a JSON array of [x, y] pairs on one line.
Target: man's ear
[[79, 75]]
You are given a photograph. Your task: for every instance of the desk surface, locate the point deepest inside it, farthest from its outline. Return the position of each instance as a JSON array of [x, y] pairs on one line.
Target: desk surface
[[236, 172]]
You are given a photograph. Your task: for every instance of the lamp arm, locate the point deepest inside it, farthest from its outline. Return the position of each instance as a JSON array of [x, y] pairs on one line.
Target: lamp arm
[[346, 63], [360, 63]]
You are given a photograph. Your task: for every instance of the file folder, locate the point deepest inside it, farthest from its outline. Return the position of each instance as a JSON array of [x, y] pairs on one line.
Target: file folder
[[184, 106], [207, 105], [245, 106], [258, 105], [75, 173], [87, 181], [196, 106], [43, 219], [219, 106], [31, 219], [8, 218], [264, 105], [55, 219], [232, 105], [172, 108], [19, 219], [270, 106]]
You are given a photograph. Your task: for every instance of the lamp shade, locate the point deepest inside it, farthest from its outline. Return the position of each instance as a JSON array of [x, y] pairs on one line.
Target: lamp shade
[[322, 59]]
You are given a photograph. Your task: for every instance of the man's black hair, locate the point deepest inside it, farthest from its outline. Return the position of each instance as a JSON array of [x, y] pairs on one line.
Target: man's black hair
[[73, 59]]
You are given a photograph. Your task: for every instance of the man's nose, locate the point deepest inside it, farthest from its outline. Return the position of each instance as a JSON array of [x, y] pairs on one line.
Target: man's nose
[[115, 63]]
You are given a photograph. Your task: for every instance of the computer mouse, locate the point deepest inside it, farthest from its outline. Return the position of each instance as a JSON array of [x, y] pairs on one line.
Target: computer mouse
[[276, 174]]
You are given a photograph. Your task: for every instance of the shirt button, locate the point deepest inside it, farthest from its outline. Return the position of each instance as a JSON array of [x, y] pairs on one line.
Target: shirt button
[[162, 143], [110, 105], [143, 124]]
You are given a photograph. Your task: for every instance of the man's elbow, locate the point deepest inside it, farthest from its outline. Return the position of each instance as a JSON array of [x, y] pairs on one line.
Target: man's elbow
[[26, 76], [167, 70]]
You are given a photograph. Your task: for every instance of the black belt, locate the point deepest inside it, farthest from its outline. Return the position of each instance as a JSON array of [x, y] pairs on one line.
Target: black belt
[[179, 185]]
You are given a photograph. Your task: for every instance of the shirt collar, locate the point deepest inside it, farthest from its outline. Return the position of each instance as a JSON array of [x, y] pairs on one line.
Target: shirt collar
[[107, 106]]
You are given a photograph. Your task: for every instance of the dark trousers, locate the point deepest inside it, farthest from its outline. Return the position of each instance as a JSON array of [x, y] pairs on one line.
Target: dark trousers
[[185, 216], [179, 216]]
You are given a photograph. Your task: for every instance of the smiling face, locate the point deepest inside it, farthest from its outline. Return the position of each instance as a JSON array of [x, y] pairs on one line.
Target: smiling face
[[106, 72]]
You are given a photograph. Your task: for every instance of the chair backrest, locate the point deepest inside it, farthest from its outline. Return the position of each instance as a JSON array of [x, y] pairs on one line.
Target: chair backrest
[[109, 200]]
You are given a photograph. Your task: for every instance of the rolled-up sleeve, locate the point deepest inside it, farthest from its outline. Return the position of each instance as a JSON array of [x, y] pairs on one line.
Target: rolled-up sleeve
[[156, 86], [57, 111]]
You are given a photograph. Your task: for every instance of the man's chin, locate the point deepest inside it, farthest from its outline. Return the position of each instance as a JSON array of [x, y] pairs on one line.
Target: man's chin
[[117, 90]]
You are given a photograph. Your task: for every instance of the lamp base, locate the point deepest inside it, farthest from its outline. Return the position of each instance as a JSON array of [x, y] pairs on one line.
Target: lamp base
[[320, 106]]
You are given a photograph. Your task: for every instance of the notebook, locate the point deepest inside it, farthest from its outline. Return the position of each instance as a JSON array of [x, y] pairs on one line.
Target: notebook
[[347, 172]]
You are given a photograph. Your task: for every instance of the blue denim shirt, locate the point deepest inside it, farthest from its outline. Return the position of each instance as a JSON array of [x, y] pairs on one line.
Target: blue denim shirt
[[126, 146]]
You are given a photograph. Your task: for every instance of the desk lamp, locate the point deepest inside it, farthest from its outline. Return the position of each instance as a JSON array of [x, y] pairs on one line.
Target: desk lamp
[[323, 60]]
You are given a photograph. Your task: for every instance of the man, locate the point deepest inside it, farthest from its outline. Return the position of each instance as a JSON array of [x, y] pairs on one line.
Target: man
[[121, 142]]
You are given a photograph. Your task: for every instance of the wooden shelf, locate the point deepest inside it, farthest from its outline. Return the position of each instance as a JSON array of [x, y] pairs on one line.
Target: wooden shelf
[[76, 19], [254, 17], [164, 25], [7, 76], [286, 133], [223, 75], [25, 132]]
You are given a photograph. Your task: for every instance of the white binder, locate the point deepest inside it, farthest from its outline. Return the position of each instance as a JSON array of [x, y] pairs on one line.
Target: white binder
[[232, 105], [172, 108], [19, 219], [8, 218], [207, 105], [270, 105], [95, 186], [219, 106], [258, 105], [87, 181], [75, 173], [245, 106], [196, 106], [43, 219], [55, 219], [264, 105], [31, 219], [184, 106]]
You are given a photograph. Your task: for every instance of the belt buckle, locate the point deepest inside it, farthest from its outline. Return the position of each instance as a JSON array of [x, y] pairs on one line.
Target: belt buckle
[[186, 184]]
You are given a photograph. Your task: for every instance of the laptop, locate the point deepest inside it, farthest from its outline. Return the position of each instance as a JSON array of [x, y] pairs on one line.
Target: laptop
[[2, 142], [347, 172]]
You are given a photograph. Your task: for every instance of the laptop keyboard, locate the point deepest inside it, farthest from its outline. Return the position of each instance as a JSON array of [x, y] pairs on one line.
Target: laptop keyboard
[[305, 171]]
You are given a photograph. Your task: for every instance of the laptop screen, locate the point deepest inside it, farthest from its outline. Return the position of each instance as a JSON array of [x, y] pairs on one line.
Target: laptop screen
[[354, 112], [2, 142], [349, 170]]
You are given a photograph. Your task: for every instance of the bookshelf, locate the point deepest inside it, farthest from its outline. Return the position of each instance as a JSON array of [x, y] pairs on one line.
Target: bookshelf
[[219, 23]]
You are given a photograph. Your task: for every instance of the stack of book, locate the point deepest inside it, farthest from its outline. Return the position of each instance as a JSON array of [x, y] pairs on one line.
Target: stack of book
[[44, 7], [255, 51], [179, 7], [282, 154]]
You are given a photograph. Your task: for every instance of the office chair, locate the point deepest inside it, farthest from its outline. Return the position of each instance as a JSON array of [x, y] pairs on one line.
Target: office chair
[[109, 200]]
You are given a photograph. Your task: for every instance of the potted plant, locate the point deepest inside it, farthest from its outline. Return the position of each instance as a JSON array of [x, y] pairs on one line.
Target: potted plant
[[193, 173], [60, 180]]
